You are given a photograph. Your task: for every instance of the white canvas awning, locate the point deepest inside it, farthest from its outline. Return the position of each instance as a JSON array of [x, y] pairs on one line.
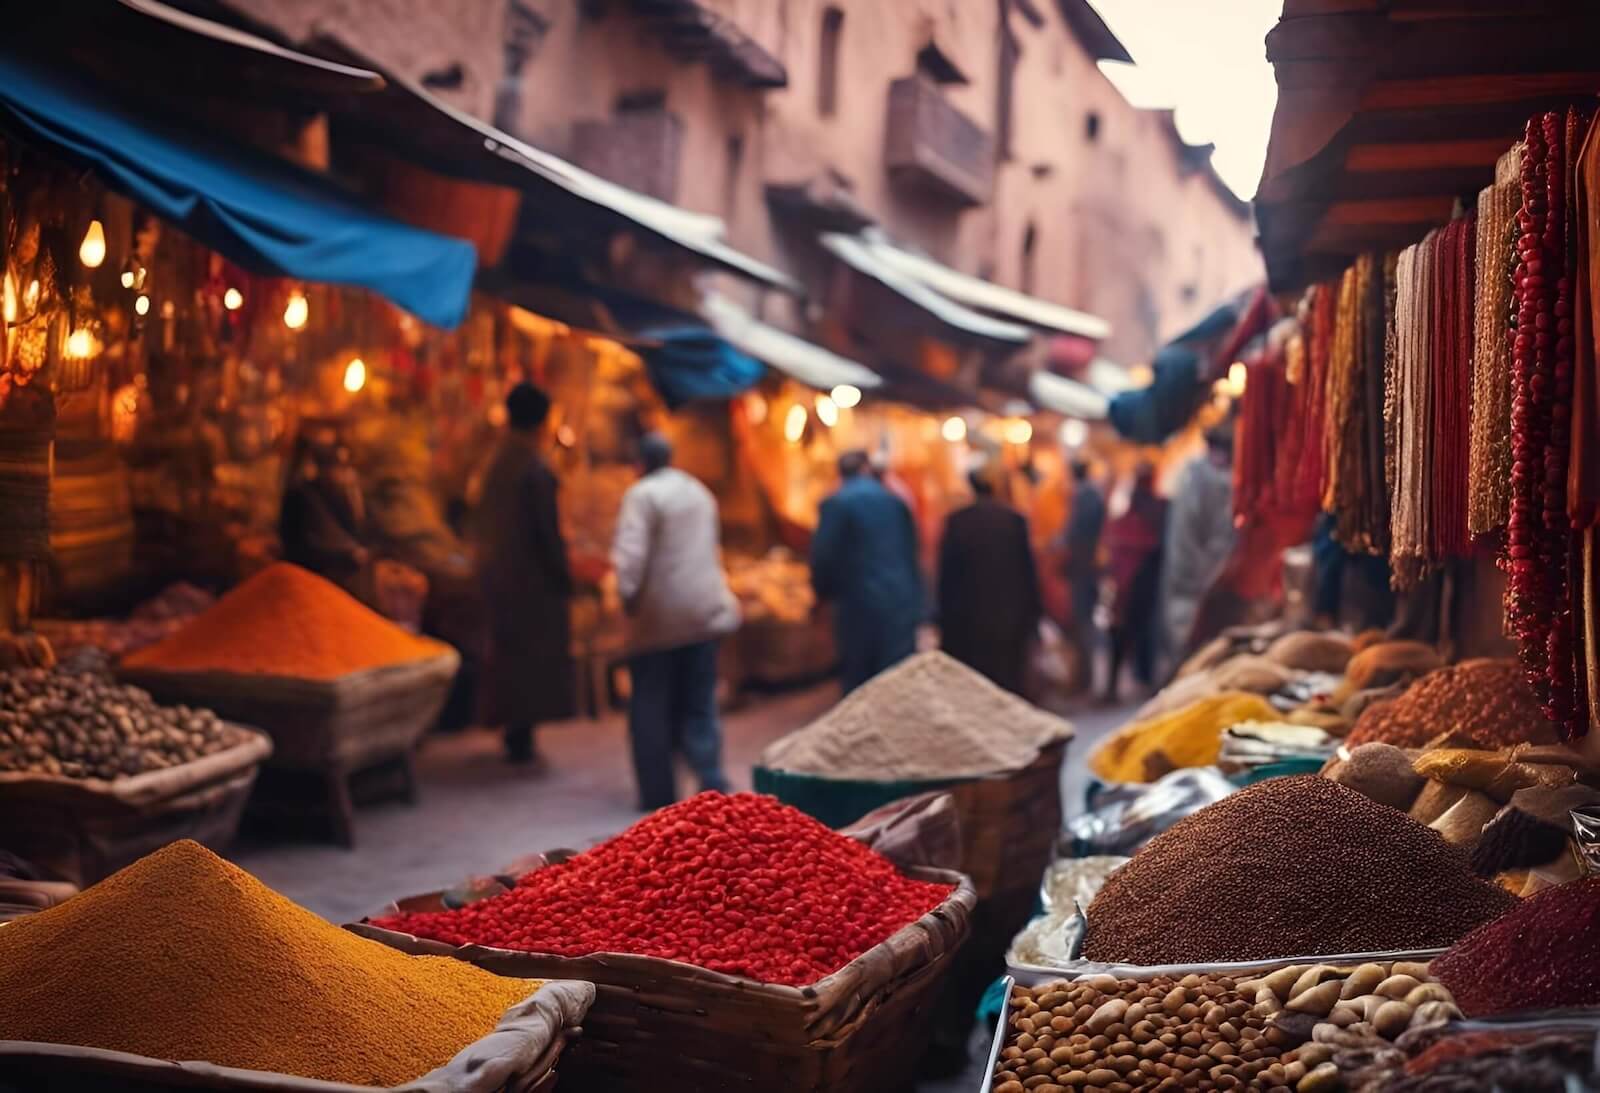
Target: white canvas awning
[[797, 358], [1069, 398]]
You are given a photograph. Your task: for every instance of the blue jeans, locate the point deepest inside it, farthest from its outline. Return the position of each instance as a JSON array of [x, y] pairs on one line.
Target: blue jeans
[[674, 710]]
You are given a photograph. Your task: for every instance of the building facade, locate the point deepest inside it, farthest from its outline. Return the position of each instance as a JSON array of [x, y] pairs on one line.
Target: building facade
[[980, 132]]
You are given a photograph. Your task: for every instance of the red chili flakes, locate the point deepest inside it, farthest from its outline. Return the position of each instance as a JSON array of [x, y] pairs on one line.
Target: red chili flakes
[[740, 884], [1541, 954]]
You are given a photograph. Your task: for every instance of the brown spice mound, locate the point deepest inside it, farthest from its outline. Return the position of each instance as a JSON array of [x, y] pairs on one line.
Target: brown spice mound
[[1486, 701], [286, 621], [182, 956], [1288, 867]]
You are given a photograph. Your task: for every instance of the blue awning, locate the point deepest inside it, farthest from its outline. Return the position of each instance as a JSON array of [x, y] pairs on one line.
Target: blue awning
[[263, 213]]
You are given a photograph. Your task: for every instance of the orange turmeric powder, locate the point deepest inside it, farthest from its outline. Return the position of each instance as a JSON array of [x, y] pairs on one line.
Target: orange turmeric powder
[[183, 956], [286, 621]]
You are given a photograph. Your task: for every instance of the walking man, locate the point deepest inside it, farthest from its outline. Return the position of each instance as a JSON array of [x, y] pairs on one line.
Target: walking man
[[669, 573], [864, 562]]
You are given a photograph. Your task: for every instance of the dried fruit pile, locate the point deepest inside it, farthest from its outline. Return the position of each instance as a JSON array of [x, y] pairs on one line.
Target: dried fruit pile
[[1542, 954], [1285, 867], [82, 725], [740, 884]]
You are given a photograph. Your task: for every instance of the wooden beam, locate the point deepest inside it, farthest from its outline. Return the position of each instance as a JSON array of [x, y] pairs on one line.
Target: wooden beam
[[1301, 9], [1424, 155], [1431, 208], [1476, 90]]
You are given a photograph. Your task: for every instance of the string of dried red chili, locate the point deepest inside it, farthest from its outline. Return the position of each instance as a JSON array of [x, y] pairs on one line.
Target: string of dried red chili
[[1542, 550], [1451, 389]]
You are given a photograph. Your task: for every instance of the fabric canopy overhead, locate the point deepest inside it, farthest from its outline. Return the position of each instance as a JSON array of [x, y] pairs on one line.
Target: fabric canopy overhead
[[692, 363], [854, 252], [799, 359], [986, 295], [261, 212], [1069, 398]]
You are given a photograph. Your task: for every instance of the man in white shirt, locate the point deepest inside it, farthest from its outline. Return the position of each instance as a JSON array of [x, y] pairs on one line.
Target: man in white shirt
[[667, 557]]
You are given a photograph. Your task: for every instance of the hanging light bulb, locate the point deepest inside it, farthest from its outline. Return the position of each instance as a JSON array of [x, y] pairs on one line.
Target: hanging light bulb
[[954, 429], [80, 344], [296, 311], [827, 412], [794, 424], [1074, 432], [755, 407], [233, 299], [1237, 374], [355, 375], [141, 305], [127, 278], [846, 396], [1018, 431], [92, 251]]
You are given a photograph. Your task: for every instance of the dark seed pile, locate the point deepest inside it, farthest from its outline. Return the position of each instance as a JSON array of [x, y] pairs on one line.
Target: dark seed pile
[[1288, 867], [1545, 954]]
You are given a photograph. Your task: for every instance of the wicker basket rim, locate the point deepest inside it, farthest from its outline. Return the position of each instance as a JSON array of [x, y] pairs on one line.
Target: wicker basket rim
[[251, 747]]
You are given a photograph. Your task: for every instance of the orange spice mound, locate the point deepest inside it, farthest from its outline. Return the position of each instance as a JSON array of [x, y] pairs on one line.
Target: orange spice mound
[[286, 621]]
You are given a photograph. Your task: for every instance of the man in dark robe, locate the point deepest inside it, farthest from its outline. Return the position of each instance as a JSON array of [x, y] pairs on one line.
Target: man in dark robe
[[864, 562], [989, 600], [522, 565]]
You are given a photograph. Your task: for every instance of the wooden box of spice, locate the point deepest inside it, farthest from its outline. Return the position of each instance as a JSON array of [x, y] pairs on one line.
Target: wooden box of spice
[[330, 728], [666, 1025], [83, 829]]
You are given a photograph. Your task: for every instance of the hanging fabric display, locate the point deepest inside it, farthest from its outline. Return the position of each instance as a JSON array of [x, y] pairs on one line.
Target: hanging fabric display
[[1489, 462], [1543, 552], [1410, 408], [1354, 489], [1450, 389]]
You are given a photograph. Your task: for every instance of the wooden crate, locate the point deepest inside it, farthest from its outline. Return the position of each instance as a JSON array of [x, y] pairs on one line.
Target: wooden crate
[[330, 728], [81, 830], [519, 1056]]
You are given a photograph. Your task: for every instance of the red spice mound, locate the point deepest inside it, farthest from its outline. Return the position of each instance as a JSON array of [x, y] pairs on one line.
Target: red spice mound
[[286, 621], [1487, 701], [741, 884], [1542, 954]]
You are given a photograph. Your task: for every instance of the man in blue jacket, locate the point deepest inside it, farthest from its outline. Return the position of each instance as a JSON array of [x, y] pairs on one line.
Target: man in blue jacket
[[864, 562]]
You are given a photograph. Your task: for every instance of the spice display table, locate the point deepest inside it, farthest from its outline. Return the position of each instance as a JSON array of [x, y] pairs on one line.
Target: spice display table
[[331, 729], [84, 829]]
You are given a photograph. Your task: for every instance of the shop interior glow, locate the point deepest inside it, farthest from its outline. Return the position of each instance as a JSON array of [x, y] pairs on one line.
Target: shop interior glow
[[8, 299], [1074, 432], [794, 424], [92, 251], [755, 407], [827, 411], [296, 311], [355, 375], [1018, 431], [954, 429], [845, 396], [80, 344]]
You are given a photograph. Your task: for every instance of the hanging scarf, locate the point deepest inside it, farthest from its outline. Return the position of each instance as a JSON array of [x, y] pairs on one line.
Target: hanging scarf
[[1489, 459]]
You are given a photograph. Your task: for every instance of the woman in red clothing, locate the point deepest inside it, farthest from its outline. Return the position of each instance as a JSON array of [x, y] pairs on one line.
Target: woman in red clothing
[[1133, 549]]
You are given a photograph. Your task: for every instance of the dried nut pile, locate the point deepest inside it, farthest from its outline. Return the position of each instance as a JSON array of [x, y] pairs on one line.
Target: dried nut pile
[[1121, 1035], [1350, 1007], [81, 725]]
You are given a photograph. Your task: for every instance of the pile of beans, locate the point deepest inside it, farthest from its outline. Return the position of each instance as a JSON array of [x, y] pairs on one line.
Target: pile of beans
[[1543, 954], [84, 725], [1285, 867], [741, 884], [1120, 1035]]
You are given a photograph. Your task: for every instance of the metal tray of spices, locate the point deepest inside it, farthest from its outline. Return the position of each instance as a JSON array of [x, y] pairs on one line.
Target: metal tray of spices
[[1077, 927]]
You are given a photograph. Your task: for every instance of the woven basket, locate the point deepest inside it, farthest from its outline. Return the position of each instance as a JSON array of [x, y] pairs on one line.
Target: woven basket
[[519, 1056], [675, 1028], [775, 653], [81, 829], [340, 725]]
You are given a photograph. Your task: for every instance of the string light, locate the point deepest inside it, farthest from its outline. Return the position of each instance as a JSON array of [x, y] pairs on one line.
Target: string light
[[1074, 432], [1237, 375], [827, 412], [233, 299], [794, 424], [1018, 431], [954, 429], [141, 305], [296, 311], [845, 396], [755, 407], [92, 251], [355, 375]]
